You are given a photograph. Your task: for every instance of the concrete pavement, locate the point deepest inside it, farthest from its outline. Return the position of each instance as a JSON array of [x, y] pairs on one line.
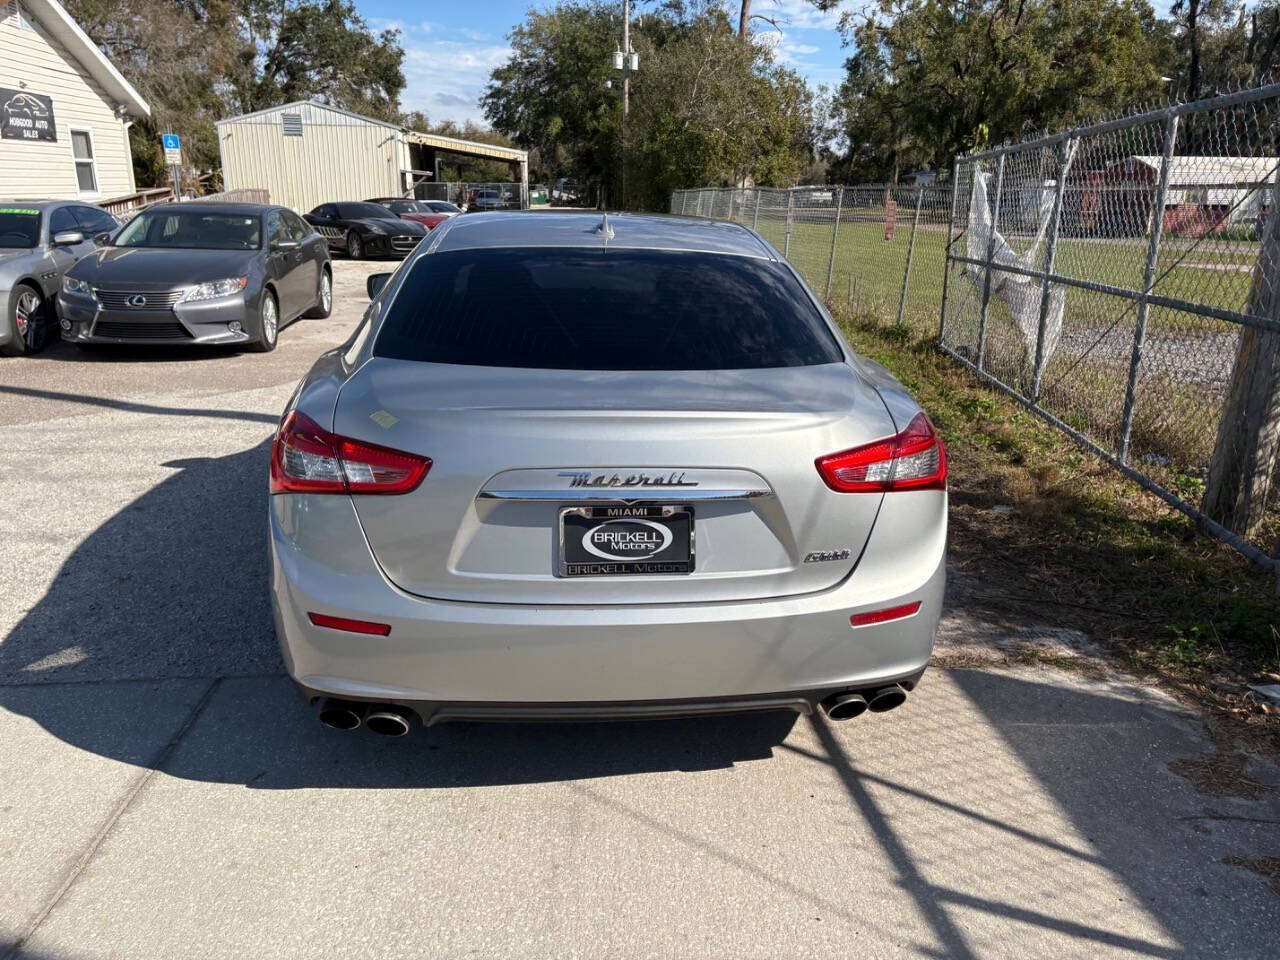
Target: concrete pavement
[[166, 794]]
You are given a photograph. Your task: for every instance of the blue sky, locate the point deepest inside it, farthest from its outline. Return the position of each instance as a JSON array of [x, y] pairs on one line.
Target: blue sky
[[450, 47]]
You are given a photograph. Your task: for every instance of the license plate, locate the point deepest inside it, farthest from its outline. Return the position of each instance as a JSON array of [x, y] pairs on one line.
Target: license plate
[[626, 541]]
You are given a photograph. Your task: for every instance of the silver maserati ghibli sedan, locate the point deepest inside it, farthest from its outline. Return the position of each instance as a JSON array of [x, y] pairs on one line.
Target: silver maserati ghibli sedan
[[571, 466]]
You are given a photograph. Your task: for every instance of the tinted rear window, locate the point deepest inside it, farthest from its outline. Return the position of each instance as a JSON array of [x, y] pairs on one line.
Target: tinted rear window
[[595, 310]]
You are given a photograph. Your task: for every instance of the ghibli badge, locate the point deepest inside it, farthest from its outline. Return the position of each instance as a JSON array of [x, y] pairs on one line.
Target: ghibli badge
[[822, 556]]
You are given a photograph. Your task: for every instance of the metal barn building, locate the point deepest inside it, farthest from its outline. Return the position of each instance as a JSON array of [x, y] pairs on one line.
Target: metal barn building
[[309, 153]]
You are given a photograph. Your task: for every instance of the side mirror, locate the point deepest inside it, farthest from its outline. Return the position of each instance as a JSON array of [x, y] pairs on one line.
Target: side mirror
[[68, 238], [375, 283], [102, 239], [286, 245]]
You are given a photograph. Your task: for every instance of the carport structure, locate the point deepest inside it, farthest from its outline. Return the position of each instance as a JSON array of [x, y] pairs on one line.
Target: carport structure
[[425, 152], [306, 153]]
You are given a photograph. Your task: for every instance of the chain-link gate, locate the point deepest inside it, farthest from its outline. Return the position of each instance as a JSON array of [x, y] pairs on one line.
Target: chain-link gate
[[1112, 278]]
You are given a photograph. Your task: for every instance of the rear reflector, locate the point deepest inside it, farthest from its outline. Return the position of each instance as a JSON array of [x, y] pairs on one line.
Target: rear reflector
[[884, 616], [306, 458], [911, 460], [350, 626]]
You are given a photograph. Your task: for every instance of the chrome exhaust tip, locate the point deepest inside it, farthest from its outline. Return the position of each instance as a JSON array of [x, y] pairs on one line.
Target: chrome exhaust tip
[[339, 714], [844, 706], [886, 698], [387, 722]]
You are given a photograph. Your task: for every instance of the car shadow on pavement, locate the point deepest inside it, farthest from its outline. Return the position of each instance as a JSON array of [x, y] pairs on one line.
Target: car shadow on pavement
[[88, 400], [63, 350], [171, 592]]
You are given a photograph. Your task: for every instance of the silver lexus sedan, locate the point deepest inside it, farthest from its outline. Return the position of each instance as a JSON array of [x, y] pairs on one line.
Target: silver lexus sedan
[[578, 467], [199, 273]]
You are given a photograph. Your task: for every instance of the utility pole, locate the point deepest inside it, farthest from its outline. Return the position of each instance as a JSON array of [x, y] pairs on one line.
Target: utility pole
[[626, 59]]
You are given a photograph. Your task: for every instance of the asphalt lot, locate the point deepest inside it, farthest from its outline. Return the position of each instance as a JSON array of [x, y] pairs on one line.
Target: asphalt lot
[[164, 793]]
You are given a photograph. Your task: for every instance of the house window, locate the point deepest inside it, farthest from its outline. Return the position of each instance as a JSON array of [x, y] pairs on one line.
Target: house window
[[86, 170], [292, 123]]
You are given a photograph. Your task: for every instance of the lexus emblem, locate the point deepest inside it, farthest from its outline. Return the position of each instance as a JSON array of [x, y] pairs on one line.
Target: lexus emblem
[[137, 300]]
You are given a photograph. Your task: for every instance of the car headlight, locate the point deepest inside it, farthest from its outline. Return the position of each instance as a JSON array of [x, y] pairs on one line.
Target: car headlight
[[379, 228], [216, 288], [81, 287]]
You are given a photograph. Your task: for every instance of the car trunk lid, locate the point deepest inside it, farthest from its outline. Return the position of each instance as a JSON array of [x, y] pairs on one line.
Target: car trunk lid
[[513, 449]]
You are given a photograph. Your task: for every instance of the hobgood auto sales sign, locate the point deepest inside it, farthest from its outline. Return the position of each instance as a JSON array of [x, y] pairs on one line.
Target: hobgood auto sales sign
[[26, 116]]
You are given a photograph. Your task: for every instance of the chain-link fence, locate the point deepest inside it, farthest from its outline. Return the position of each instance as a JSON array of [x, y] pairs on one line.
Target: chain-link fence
[[1113, 277], [1121, 279], [879, 247]]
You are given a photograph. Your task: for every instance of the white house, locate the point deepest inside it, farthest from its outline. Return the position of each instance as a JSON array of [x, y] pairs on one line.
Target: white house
[[1234, 187], [64, 109]]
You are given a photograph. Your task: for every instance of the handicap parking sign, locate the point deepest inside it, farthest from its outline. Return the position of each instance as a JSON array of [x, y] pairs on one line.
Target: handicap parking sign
[[172, 148]]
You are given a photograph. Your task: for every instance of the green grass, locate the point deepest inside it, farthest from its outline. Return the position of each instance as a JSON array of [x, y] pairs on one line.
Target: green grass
[[868, 269], [1082, 546]]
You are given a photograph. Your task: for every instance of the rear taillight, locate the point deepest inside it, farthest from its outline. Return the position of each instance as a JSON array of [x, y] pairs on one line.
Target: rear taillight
[[306, 458], [912, 460]]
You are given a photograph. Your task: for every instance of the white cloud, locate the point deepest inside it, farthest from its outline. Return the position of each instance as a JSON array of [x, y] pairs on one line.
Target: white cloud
[[799, 57], [445, 78], [792, 14], [801, 14], [408, 29]]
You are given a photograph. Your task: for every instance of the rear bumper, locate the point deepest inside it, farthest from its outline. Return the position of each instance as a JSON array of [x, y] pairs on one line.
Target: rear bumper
[[592, 660], [432, 712]]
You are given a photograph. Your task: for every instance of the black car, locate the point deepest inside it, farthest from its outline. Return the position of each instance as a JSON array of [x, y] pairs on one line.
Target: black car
[[365, 229]]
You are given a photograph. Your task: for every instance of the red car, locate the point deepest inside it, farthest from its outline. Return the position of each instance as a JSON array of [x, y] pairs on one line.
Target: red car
[[414, 210]]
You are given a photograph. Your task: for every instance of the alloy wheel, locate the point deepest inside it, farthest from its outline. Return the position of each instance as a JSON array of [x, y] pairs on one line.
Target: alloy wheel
[[270, 319], [28, 308]]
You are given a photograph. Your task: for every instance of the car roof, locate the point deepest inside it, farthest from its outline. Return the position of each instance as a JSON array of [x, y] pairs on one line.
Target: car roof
[[630, 231], [44, 204], [235, 209]]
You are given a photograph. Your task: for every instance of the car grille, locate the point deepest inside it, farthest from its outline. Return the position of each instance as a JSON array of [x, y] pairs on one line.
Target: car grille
[[404, 244], [155, 300], [140, 331]]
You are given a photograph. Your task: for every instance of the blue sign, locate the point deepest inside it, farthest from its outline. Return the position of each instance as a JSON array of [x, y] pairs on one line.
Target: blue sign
[[172, 149]]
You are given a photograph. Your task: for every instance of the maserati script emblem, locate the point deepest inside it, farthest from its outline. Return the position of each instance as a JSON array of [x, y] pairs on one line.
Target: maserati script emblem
[[137, 300], [583, 478]]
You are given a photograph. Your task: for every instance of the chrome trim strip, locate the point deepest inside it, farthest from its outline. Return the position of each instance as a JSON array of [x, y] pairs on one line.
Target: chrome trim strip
[[626, 484], [641, 495]]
